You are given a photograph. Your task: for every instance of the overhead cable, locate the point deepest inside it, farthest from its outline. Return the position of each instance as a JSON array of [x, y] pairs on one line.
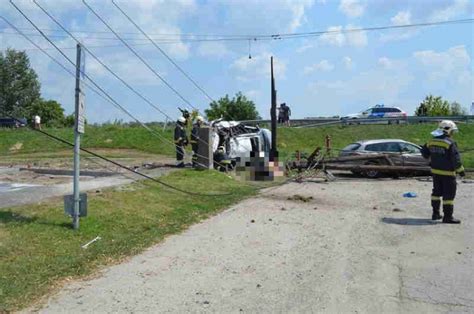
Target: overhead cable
[[139, 56]]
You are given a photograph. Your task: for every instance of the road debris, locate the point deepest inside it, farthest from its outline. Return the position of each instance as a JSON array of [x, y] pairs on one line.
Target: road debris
[[85, 246], [410, 194], [298, 197]]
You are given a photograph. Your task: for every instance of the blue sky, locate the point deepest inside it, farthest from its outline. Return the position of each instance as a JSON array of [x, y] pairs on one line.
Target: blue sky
[[328, 75]]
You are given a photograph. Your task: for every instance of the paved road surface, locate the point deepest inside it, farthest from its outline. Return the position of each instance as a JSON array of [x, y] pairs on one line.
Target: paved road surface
[[345, 251]]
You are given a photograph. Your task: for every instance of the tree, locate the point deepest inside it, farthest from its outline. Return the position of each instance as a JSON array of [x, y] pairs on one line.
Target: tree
[[238, 108], [19, 85], [433, 106], [457, 109], [50, 111]]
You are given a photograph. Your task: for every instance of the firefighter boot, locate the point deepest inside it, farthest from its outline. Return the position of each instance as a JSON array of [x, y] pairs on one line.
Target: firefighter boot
[[436, 215], [448, 217]]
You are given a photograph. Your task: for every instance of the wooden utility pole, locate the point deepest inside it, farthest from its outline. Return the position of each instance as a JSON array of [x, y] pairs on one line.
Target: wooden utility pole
[[273, 151]]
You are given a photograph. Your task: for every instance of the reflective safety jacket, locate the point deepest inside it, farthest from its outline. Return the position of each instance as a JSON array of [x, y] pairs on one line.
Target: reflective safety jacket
[[180, 137], [444, 156]]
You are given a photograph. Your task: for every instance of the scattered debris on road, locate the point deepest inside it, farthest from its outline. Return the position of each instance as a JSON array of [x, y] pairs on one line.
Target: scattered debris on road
[[298, 197]]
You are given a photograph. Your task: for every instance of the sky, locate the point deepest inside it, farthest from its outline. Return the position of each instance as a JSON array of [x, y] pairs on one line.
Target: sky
[[327, 75]]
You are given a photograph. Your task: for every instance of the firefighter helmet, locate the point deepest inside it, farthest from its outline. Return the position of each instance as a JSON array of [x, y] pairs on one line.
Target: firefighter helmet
[[448, 126], [181, 120]]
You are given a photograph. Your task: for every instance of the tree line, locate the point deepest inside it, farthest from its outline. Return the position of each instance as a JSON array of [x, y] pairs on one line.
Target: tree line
[[437, 106], [20, 97], [20, 92]]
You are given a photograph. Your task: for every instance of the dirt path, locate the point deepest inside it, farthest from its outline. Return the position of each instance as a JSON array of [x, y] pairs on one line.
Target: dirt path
[[345, 250]]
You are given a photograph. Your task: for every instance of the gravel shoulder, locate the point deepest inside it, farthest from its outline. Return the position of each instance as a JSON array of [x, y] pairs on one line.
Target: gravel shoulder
[[345, 246]]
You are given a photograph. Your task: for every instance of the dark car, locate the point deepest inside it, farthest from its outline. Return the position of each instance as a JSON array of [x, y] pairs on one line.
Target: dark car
[[12, 123], [401, 152]]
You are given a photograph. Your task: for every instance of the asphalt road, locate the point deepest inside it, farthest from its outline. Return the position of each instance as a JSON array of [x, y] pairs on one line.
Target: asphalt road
[[353, 247]]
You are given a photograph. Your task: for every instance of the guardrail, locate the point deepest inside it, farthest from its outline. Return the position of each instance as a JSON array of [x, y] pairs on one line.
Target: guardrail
[[316, 122]]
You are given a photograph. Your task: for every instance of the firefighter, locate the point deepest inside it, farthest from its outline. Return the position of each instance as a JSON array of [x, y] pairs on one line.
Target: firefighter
[[180, 140], [222, 161], [445, 162], [195, 138]]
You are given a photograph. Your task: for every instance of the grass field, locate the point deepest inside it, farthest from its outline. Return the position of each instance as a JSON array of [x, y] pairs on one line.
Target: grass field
[[289, 139], [38, 249]]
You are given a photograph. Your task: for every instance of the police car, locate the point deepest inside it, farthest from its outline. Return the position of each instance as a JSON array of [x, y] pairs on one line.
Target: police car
[[377, 112]]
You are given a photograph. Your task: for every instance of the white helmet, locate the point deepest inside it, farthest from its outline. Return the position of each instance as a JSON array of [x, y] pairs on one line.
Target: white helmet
[[181, 120], [199, 119], [448, 126]]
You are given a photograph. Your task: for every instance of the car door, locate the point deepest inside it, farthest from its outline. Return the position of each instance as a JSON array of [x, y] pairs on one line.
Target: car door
[[411, 155]]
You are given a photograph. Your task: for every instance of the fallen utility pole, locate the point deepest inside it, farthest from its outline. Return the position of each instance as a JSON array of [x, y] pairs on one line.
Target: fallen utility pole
[[381, 168]]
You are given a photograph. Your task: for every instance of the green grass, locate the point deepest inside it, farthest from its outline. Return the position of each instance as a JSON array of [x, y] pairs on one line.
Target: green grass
[[289, 139], [307, 139], [110, 136], [38, 249]]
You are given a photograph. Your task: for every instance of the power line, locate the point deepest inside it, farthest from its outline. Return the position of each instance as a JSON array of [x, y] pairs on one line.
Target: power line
[[163, 52], [103, 64], [138, 55], [57, 138], [116, 104], [256, 37]]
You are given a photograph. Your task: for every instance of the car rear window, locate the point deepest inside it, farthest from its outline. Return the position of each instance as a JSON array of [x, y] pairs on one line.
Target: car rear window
[[352, 146]]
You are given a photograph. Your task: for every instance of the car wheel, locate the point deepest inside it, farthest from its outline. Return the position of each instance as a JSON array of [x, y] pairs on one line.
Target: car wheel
[[372, 174]]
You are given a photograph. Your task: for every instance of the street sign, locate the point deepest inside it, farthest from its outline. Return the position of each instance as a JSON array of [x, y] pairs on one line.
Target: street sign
[[69, 205], [80, 95]]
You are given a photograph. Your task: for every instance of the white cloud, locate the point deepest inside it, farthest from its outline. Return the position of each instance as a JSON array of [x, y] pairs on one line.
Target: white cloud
[[298, 9], [458, 7], [323, 66], [454, 62], [258, 67], [213, 49], [348, 63], [334, 37], [352, 8], [401, 18], [385, 63], [356, 38], [337, 36]]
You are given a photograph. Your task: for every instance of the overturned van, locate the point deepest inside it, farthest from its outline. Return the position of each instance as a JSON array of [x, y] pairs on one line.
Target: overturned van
[[238, 139]]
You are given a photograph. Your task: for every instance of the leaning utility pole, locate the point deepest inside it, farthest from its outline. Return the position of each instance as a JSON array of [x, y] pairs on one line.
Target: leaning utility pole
[[273, 150]]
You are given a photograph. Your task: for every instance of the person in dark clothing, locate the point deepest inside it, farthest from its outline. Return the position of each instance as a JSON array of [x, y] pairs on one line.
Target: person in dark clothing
[[281, 114], [195, 138], [445, 163], [286, 114], [180, 140], [222, 161]]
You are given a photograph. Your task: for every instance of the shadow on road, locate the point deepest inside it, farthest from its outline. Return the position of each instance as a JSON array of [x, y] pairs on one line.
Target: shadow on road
[[409, 221]]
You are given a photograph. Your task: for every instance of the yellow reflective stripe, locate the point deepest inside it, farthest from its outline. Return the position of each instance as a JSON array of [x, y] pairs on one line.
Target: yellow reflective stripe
[[439, 143], [435, 198], [192, 142], [443, 172], [448, 202], [225, 162], [460, 169]]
